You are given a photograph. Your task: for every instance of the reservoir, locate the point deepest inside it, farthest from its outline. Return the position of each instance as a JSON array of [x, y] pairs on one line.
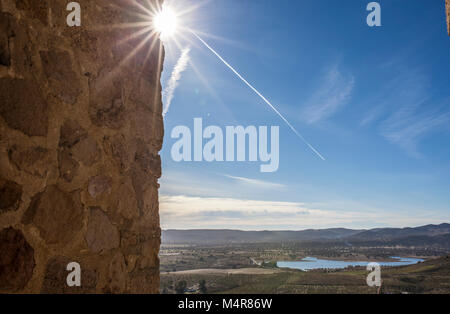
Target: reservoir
[[310, 263]]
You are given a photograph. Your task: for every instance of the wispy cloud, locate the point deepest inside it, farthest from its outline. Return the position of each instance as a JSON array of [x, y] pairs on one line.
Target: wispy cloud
[[187, 212], [257, 183], [405, 87], [174, 79], [332, 94], [410, 129], [405, 111]]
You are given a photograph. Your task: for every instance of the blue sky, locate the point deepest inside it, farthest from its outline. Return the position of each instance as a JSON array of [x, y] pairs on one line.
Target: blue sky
[[374, 101]]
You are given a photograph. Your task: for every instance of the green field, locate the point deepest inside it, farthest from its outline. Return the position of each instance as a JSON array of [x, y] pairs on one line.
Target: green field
[[432, 276]]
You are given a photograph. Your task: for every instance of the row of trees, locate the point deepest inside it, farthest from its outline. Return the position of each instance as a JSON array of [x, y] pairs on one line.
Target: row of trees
[[181, 286]]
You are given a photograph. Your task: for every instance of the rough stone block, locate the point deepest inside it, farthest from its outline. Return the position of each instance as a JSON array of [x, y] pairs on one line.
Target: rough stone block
[[23, 107], [6, 32], [148, 126], [148, 161], [35, 160], [127, 205], [101, 234], [117, 275], [68, 167], [107, 107], [119, 149], [16, 260], [57, 214], [71, 133], [99, 185], [10, 195], [86, 151], [34, 9], [55, 277], [64, 82], [144, 281]]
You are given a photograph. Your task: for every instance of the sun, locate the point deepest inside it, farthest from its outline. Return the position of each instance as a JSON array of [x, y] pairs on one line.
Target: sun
[[166, 22]]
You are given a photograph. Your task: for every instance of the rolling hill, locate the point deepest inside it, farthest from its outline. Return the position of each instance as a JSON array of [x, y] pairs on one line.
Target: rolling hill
[[424, 235]]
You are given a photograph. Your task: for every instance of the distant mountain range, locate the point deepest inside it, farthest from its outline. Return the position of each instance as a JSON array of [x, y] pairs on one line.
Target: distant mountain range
[[425, 235]]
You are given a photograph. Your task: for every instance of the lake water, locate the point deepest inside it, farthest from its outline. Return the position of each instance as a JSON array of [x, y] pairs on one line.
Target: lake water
[[310, 263]]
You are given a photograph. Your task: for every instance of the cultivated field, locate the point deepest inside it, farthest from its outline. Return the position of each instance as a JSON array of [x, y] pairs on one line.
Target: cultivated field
[[251, 269]]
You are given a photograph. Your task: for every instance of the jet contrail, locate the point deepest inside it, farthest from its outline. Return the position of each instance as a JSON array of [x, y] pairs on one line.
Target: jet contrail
[[260, 95], [172, 83]]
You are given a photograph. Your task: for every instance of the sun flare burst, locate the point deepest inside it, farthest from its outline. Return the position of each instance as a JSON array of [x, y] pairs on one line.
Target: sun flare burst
[[166, 22]]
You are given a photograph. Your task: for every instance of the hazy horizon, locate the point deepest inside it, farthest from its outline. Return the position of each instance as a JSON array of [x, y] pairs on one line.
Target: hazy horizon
[[296, 230]]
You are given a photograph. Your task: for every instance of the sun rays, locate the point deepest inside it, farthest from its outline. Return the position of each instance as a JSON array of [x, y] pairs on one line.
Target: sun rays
[[166, 22], [156, 24]]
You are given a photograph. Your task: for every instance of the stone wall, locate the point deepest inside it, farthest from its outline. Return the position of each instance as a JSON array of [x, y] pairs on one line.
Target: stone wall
[[447, 6], [80, 133]]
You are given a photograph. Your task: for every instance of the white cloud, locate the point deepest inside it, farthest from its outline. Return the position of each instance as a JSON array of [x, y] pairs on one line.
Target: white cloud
[[334, 93], [187, 212]]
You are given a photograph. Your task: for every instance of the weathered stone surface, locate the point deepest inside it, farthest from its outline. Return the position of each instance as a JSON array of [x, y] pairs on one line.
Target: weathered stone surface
[[84, 40], [22, 50], [150, 162], [117, 276], [23, 107], [149, 126], [99, 185], [6, 32], [131, 260], [16, 260], [447, 5], [63, 80], [101, 235], [57, 214], [149, 257], [144, 61], [119, 149], [71, 133], [129, 242], [140, 237], [81, 122], [144, 183], [10, 195], [68, 167], [56, 275], [127, 205], [147, 279], [146, 90], [151, 201], [35, 10], [35, 160], [86, 151], [107, 107]]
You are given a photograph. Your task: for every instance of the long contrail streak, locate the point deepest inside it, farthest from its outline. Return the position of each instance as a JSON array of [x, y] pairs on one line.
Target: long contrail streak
[[261, 96], [172, 83]]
